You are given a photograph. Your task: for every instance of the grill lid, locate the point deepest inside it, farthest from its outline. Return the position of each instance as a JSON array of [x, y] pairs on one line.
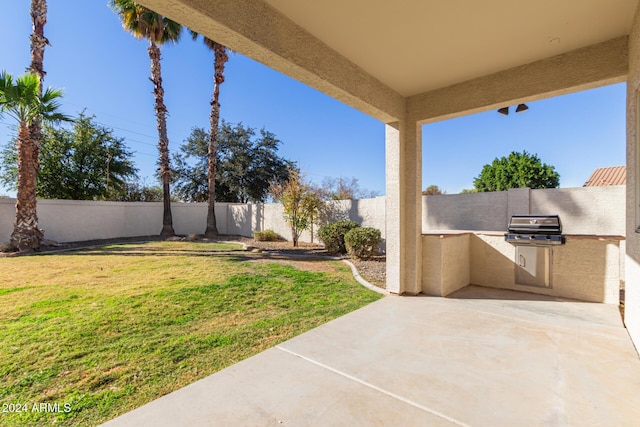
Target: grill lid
[[535, 224]]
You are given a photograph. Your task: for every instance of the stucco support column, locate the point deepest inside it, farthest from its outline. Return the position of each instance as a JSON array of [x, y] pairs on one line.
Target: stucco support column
[[404, 207], [632, 260]]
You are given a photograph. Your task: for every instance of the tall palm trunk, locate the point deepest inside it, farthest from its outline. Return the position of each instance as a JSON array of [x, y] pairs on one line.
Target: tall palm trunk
[[163, 140], [220, 60], [38, 40], [38, 43], [26, 234]]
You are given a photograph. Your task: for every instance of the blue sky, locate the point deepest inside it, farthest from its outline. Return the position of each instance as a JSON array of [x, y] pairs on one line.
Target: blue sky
[[104, 69]]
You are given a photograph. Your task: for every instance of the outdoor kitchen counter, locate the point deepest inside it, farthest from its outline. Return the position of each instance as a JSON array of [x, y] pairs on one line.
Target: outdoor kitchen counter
[[586, 267], [453, 233]]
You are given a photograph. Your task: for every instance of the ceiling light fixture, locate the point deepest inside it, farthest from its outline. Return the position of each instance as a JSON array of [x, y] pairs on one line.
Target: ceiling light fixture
[[521, 108], [504, 111]]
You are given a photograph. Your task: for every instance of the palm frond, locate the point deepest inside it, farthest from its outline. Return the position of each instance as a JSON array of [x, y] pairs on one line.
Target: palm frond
[[144, 23], [51, 107], [21, 99], [172, 31]]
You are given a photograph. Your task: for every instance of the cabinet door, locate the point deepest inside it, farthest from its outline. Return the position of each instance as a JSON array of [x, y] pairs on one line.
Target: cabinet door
[[533, 266]]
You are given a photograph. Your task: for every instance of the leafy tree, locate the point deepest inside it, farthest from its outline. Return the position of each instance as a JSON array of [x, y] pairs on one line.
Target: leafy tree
[[432, 190], [83, 163], [343, 188], [23, 100], [139, 192], [245, 165], [518, 170], [468, 190], [147, 24], [237, 159], [190, 168], [265, 167], [220, 59], [299, 201]]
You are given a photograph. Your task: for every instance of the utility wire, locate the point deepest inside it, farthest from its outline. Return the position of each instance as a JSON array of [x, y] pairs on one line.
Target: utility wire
[[105, 113], [131, 131], [141, 142], [145, 154], [116, 127]]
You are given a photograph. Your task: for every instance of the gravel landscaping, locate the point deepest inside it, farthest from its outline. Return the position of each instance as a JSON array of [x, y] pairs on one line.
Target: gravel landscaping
[[372, 270]]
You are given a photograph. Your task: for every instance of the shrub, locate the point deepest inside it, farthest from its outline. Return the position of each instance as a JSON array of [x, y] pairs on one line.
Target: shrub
[[333, 235], [363, 242], [265, 236]]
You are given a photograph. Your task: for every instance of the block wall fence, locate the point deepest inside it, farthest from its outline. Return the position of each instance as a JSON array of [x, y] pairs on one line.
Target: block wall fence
[[588, 211], [79, 220]]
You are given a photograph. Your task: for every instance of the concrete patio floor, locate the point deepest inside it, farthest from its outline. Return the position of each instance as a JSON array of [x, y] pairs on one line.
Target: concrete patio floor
[[482, 357]]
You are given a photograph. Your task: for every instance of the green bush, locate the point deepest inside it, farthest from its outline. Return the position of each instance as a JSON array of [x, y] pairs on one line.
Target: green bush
[[265, 236], [333, 235], [363, 242]]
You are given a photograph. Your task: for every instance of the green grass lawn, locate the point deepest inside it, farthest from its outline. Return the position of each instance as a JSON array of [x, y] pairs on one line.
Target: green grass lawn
[[108, 329]]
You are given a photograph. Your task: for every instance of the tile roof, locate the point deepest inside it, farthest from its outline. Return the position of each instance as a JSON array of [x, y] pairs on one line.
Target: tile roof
[[615, 175]]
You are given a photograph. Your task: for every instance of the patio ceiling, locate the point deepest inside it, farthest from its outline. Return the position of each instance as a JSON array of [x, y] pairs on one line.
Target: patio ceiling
[[423, 57], [414, 46]]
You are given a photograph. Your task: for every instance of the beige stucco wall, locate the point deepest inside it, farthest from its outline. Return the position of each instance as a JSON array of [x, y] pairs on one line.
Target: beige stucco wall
[[72, 220], [445, 263], [403, 207], [586, 268], [78, 220], [583, 210], [474, 211], [492, 261], [273, 220], [369, 213], [431, 265], [366, 212], [7, 215], [237, 220], [632, 260]]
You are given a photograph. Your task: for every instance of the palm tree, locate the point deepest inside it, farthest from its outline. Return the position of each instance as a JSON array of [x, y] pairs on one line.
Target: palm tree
[[147, 24], [38, 42], [24, 101], [220, 59]]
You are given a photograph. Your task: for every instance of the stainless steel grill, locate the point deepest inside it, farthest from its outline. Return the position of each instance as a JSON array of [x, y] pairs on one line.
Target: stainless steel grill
[[540, 230]]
